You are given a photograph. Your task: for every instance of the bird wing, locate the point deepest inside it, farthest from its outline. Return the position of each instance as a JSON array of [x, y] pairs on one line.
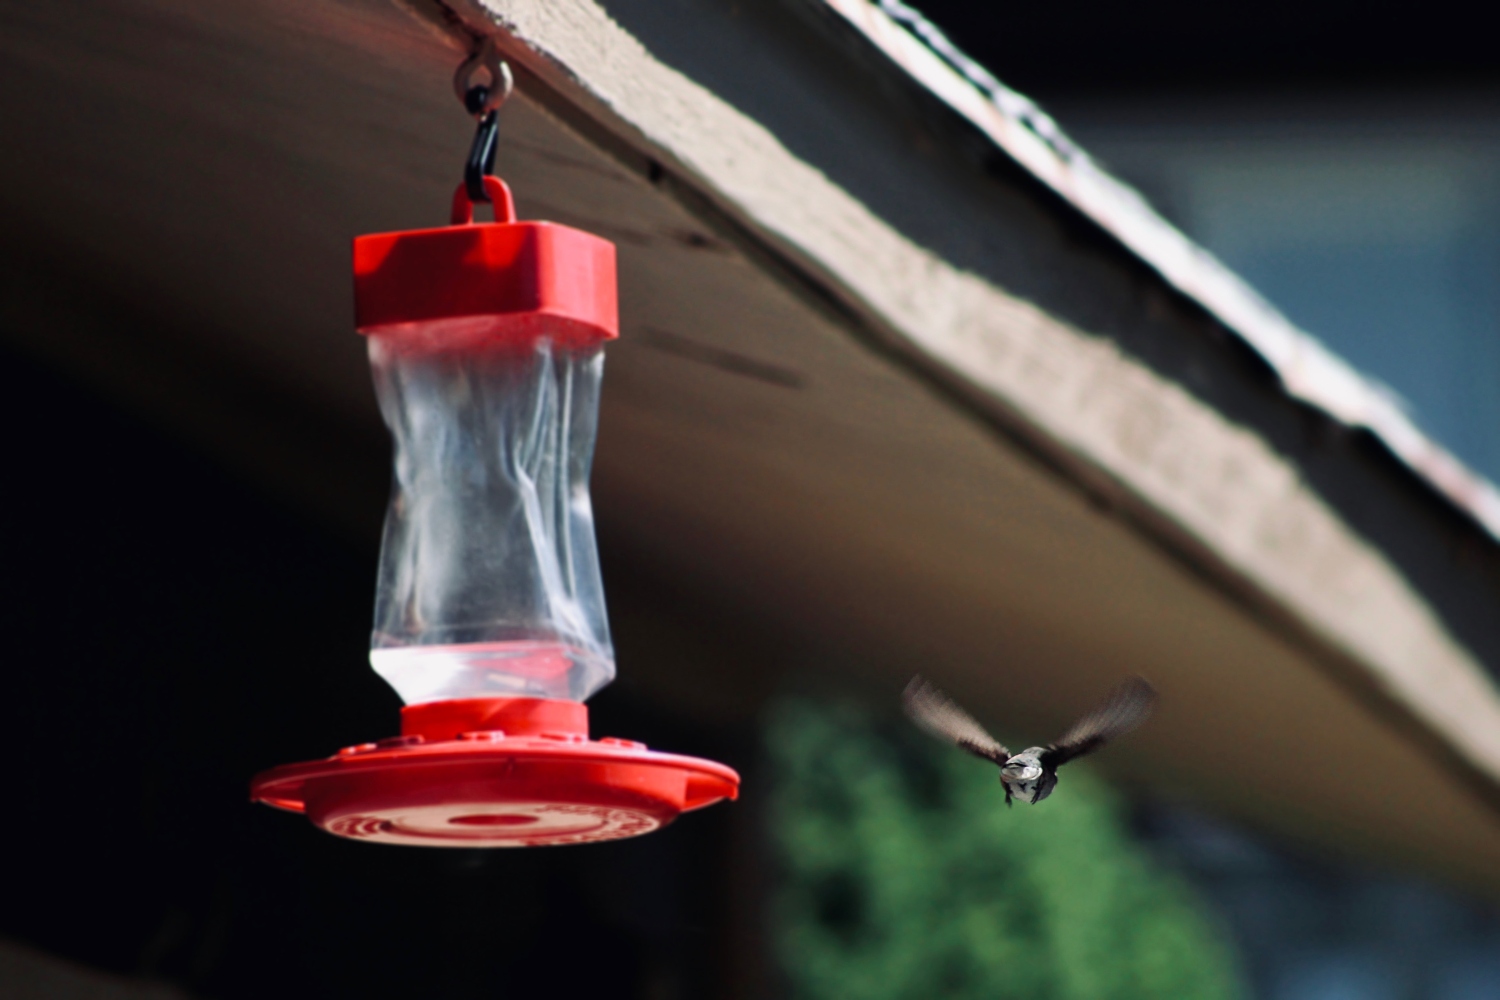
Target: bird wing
[[935, 712], [1126, 707]]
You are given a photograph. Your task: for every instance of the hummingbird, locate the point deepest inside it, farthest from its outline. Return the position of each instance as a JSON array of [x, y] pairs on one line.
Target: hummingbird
[[1031, 774]]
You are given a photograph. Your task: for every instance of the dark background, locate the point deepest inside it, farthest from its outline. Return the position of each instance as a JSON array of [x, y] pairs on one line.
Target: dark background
[[1097, 48], [173, 631]]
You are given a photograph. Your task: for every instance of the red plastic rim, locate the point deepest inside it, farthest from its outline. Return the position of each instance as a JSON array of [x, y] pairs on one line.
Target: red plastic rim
[[455, 778]]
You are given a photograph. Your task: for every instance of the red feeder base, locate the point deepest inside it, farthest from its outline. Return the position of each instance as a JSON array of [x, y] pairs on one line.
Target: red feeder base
[[495, 772]]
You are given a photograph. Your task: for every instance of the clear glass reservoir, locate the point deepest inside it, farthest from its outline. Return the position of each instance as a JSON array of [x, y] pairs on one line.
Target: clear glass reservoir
[[489, 579]]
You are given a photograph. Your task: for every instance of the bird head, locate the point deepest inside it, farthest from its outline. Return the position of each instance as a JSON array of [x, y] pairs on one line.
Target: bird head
[[1024, 766], [1025, 778]]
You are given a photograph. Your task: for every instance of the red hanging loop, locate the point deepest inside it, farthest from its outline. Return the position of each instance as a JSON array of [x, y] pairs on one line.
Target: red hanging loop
[[500, 198]]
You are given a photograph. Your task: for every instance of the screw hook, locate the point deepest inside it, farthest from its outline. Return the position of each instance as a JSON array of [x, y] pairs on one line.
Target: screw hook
[[481, 99], [483, 102]]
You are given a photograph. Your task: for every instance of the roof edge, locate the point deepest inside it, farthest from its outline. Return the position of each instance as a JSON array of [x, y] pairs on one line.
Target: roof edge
[[1265, 540], [1308, 371]]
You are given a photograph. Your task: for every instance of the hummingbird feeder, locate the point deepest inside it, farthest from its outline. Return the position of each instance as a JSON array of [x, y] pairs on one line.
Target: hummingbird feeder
[[486, 342]]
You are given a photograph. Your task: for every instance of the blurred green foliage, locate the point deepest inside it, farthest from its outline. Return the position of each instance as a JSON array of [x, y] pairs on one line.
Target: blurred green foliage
[[905, 877]]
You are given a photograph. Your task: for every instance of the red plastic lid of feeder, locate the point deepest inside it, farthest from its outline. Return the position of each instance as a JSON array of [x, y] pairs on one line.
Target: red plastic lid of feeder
[[495, 772], [440, 284]]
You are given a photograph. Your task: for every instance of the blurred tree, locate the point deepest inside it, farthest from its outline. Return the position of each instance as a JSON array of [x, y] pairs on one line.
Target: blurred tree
[[904, 877]]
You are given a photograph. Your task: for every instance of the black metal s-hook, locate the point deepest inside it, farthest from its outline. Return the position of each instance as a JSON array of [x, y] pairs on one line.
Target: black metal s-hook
[[482, 101], [481, 159]]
